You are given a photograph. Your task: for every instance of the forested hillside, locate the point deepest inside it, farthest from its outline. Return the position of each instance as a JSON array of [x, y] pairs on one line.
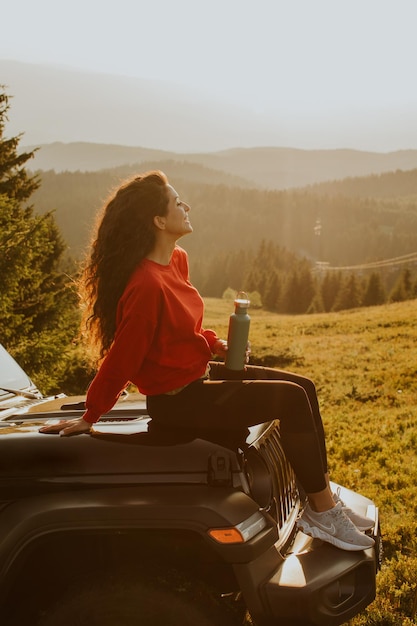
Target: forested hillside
[[388, 185], [227, 217], [270, 242]]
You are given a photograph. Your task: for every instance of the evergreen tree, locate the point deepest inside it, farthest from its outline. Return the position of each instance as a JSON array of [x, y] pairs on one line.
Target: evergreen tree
[[316, 305], [15, 183], [374, 291], [236, 268], [38, 305], [350, 294], [403, 288], [307, 288], [299, 290], [253, 280], [290, 301], [271, 296], [330, 288], [408, 283]]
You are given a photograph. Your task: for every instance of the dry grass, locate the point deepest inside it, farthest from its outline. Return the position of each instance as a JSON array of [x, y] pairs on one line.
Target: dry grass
[[364, 363]]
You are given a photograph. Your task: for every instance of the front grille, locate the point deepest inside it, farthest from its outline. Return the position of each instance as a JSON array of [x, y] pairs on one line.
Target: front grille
[[284, 485]]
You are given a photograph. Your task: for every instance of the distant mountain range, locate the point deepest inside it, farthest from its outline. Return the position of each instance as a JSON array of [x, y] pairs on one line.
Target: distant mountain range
[[273, 168], [89, 121], [56, 103]]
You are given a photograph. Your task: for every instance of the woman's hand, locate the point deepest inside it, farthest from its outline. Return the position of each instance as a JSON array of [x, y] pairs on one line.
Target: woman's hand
[[67, 428], [220, 348]]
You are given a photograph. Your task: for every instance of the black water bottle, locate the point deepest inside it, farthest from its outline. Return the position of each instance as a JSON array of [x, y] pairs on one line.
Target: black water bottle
[[237, 339]]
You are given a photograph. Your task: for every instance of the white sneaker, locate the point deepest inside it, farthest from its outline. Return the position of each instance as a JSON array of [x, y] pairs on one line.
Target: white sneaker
[[334, 526], [361, 522]]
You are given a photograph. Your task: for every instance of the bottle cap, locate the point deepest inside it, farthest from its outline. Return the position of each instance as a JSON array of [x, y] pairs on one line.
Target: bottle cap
[[242, 299]]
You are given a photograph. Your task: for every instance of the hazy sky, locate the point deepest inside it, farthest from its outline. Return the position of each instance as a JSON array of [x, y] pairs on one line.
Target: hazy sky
[[310, 57]]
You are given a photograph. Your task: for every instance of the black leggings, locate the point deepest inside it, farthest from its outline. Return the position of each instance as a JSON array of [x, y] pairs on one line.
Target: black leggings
[[259, 395]]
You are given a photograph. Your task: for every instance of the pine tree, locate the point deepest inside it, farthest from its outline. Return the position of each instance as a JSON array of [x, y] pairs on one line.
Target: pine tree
[[15, 183], [307, 288], [290, 301], [330, 288], [403, 288], [374, 291], [38, 305], [350, 296], [272, 292]]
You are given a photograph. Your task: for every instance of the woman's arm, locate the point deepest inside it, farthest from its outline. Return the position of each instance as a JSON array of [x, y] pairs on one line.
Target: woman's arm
[[134, 335]]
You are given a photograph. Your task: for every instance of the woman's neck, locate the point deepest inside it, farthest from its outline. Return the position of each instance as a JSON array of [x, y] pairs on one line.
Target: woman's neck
[[161, 253]]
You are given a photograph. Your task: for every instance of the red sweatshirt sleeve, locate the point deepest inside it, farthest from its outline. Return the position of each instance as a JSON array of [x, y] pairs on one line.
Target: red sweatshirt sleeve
[[137, 320], [210, 336]]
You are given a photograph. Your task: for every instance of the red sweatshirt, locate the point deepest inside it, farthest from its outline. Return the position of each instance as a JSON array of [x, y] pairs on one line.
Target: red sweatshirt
[[159, 343]]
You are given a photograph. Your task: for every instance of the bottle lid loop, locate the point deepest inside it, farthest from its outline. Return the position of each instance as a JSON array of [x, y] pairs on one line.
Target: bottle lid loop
[[242, 299]]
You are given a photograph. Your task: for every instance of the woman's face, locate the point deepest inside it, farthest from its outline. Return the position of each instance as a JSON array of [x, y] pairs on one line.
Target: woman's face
[[176, 220]]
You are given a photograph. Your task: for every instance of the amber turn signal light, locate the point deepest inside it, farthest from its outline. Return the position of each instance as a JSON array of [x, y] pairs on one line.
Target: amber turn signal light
[[226, 535]]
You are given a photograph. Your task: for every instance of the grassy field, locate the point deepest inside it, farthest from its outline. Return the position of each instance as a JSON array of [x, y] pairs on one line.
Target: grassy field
[[364, 364]]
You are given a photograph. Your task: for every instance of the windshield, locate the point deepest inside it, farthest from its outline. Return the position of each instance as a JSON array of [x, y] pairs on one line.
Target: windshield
[[11, 374]]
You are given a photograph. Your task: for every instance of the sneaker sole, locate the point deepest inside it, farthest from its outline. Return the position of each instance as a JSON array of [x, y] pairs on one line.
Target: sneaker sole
[[316, 533]]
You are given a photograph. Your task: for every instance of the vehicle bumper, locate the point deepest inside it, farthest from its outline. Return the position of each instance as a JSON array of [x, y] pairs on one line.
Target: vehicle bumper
[[316, 583]]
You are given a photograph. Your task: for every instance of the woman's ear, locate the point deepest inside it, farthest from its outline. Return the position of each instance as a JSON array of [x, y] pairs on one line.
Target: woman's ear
[[159, 221]]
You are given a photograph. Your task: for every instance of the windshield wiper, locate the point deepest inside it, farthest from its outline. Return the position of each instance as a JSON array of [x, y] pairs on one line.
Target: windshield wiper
[[25, 394]]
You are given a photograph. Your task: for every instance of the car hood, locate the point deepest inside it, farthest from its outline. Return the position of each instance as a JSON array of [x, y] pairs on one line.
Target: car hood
[[119, 448]]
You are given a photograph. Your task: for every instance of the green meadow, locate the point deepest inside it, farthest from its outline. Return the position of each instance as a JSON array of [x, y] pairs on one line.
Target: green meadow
[[364, 364]]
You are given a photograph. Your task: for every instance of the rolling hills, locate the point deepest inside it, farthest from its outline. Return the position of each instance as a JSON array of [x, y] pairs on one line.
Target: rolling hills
[[267, 168], [228, 216]]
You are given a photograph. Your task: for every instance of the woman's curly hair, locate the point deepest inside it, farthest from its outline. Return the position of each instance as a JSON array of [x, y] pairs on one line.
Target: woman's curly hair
[[125, 235]]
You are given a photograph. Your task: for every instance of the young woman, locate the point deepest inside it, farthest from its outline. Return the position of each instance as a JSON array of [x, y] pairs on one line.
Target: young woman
[[146, 319]]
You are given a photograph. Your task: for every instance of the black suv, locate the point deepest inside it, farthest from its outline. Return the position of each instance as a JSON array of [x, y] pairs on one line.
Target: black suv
[[123, 527]]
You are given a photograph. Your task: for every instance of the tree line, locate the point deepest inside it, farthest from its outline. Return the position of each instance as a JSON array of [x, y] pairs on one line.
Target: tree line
[[228, 218], [401, 183], [288, 284]]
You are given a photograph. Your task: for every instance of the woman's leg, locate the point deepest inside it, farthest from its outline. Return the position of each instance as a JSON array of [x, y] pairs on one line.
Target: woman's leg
[[253, 372], [229, 405]]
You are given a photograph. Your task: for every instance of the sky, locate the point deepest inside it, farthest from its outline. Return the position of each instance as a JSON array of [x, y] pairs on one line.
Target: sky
[[319, 59]]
